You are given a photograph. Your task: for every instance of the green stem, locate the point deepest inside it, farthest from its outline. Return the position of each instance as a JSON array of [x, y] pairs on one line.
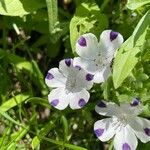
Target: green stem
[[4, 34], [104, 5], [111, 146], [52, 14]]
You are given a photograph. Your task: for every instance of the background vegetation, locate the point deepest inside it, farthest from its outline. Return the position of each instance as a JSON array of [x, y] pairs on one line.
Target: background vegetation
[[34, 36]]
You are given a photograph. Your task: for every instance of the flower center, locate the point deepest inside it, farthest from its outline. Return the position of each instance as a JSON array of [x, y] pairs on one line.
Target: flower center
[[71, 83], [120, 121], [123, 118], [100, 61]]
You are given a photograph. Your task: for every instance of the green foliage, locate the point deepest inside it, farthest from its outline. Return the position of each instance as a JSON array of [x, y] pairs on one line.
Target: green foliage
[[134, 4], [34, 36], [16, 100], [19, 7], [127, 57], [87, 18]]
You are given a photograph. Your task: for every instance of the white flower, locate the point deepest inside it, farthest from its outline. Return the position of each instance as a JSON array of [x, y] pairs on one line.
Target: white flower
[[124, 124], [71, 84], [96, 57]]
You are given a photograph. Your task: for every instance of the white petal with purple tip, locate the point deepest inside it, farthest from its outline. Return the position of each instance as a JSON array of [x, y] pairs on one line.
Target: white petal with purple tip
[[125, 139], [55, 78], [141, 128], [79, 99], [65, 65], [58, 98], [87, 46], [110, 41], [107, 109], [129, 108], [104, 130], [84, 80]]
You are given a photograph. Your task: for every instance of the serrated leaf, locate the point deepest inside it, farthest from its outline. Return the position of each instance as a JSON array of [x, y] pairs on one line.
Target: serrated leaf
[[127, 57], [86, 19], [134, 4], [19, 7]]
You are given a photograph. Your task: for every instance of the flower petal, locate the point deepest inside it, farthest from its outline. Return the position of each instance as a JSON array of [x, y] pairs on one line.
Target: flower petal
[[65, 65], [102, 76], [110, 41], [104, 129], [141, 128], [58, 98], [79, 99], [87, 46], [86, 64], [55, 78], [84, 80], [125, 139], [107, 108], [133, 108]]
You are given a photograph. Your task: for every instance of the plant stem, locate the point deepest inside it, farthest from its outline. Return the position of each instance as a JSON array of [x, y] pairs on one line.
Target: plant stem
[[104, 5], [52, 14]]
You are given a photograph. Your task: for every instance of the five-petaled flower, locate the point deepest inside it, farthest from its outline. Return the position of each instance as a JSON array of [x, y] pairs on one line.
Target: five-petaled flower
[[124, 124], [71, 84], [96, 57]]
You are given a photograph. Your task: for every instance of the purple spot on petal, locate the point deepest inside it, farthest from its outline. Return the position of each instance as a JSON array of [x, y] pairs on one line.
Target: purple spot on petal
[[89, 77], [68, 62], [78, 67], [126, 146], [99, 132], [81, 102], [82, 41], [113, 35], [147, 131], [101, 104], [135, 102], [54, 102], [49, 76]]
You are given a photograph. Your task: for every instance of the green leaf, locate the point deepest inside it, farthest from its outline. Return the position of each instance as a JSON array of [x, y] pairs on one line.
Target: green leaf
[[12, 102], [5, 115], [17, 136], [134, 4], [127, 56], [35, 142], [65, 126], [87, 19], [42, 133], [19, 7], [40, 101], [143, 146], [61, 143]]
